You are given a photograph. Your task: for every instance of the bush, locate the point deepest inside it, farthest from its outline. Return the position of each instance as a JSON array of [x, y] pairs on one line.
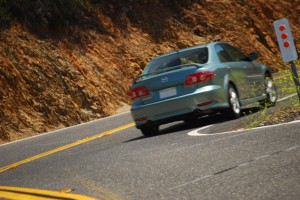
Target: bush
[[43, 16], [4, 12]]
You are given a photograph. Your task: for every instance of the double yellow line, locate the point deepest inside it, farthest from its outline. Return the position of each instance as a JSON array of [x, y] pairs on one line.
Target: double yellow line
[[16, 193], [107, 133]]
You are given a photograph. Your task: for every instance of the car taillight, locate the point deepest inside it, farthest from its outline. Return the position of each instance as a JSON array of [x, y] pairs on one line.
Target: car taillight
[[199, 77], [138, 92]]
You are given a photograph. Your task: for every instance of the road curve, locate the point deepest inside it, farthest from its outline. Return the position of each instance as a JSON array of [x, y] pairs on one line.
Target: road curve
[[252, 164]]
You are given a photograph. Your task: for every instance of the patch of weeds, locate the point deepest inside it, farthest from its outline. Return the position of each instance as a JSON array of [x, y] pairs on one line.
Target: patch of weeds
[[284, 114], [285, 84], [285, 87], [256, 120]]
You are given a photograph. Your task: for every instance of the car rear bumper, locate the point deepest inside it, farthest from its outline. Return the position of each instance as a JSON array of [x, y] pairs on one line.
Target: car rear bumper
[[203, 100]]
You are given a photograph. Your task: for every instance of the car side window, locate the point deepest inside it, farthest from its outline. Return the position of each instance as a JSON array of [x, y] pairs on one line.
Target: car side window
[[223, 55], [236, 54]]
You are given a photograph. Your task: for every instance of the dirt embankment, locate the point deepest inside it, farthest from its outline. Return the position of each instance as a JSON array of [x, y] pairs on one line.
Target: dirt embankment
[[58, 70]]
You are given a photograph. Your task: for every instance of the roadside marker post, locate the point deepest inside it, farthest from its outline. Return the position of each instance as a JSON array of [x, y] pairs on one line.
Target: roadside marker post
[[287, 48]]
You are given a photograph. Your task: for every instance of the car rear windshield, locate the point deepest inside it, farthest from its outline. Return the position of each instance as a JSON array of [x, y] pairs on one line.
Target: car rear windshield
[[199, 56]]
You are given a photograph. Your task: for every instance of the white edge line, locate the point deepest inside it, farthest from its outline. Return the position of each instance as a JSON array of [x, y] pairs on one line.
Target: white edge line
[[193, 181], [195, 132], [62, 129], [284, 98]]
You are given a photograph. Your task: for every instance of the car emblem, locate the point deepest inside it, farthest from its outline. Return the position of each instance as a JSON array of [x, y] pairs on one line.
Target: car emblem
[[165, 79]]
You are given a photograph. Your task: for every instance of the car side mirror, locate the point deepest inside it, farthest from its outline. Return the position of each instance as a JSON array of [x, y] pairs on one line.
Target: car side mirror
[[252, 56]]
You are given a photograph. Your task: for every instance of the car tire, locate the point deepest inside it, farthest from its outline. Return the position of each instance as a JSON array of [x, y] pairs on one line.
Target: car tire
[[234, 110], [149, 130], [270, 91]]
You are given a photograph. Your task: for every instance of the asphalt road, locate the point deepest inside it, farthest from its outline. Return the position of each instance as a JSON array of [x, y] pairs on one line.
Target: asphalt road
[[185, 161]]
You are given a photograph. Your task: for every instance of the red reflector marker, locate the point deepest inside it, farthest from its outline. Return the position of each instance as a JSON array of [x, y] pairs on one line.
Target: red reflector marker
[[284, 36], [286, 44], [282, 27]]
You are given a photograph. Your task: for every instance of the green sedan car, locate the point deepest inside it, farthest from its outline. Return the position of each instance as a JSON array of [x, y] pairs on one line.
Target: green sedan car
[[198, 81]]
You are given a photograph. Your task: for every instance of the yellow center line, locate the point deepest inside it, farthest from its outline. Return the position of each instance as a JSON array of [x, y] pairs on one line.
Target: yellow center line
[[17, 193], [106, 133]]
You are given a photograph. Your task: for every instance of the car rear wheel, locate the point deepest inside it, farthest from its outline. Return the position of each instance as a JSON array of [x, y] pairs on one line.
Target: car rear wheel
[[149, 130], [270, 91], [234, 110]]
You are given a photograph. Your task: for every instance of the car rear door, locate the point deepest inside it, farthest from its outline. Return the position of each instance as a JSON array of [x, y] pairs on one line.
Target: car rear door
[[236, 73], [244, 72]]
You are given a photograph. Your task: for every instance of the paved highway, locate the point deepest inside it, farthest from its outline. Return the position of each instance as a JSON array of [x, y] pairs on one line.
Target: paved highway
[[197, 161]]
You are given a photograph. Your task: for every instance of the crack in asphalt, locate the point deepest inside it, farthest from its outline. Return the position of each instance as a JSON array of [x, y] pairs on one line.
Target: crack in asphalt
[[236, 166]]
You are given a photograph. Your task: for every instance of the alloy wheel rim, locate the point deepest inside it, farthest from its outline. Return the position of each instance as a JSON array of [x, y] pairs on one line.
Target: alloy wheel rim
[[271, 92], [234, 101]]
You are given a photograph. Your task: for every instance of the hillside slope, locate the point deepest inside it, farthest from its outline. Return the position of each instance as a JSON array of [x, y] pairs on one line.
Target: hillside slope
[[64, 63]]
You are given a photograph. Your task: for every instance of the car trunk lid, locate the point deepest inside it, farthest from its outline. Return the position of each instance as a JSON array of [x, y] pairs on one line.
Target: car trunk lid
[[166, 84]]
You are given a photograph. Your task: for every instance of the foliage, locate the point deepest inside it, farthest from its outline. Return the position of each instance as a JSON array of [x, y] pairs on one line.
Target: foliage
[[43, 16], [4, 12], [283, 114]]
